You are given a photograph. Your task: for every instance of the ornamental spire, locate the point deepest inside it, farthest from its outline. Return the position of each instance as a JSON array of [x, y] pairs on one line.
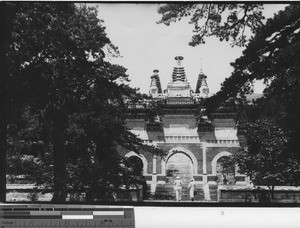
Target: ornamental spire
[[155, 86], [202, 86], [157, 80], [178, 71], [201, 71]]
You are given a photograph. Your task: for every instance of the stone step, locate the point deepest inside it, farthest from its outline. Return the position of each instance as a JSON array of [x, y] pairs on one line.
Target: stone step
[[167, 193], [213, 192]]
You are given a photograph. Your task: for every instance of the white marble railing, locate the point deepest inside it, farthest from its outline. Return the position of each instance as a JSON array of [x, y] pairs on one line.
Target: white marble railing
[[224, 141], [178, 138]]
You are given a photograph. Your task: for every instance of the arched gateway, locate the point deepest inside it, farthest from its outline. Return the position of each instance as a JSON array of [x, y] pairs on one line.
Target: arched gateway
[[178, 129], [179, 162]]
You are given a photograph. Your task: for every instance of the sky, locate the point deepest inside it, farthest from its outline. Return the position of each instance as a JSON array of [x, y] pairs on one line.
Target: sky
[[145, 45]]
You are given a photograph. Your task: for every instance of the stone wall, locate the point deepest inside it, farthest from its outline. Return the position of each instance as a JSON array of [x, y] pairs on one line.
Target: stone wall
[[179, 131], [263, 196], [188, 121]]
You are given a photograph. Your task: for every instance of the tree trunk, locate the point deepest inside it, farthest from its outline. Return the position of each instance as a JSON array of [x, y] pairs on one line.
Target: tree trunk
[[59, 161], [3, 99], [104, 155], [3, 136], [272, 193]]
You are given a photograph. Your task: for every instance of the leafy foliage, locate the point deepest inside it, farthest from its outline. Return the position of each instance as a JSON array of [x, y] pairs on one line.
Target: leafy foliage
[[27, 152], [225, 21], [263, 154], [273, 56], [227, 164], [270, 125], [5, 17], [49, 54], [71, 110]]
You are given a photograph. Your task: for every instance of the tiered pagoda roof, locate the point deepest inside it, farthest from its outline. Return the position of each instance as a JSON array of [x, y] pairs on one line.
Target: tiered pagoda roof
[[157, 80], [178, 71], [179, 87], [201, 76]]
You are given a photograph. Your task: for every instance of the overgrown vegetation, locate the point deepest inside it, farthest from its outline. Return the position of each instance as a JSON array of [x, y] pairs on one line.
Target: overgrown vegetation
[[65, 112]]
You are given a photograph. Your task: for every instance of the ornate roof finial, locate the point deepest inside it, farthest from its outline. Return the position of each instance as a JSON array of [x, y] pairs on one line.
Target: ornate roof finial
[[178, 71], [155, 81], [179, 59], [202, 86], [201, 69]]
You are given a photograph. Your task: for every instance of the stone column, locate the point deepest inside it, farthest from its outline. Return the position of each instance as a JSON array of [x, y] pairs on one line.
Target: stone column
[[236, 170], [154, 165], [154, 175], [204, 163]]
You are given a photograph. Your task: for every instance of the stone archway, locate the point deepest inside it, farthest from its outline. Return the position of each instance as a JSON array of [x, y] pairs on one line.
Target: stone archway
[[182, 150], [214, 162], [224, 175], [179, 162]]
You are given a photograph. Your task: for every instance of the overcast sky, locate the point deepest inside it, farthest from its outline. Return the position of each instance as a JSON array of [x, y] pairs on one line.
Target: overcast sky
[[145, 45]]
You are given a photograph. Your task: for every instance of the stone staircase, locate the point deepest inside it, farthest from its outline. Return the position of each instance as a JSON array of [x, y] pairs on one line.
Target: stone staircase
[[166, 192], [200, 194], [213, 192]]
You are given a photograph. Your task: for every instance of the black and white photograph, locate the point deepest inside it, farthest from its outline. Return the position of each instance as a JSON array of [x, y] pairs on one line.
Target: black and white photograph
[[149, 114]]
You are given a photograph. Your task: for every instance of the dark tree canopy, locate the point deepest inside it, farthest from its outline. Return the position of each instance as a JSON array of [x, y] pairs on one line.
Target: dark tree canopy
[[225, 21], [273, 56], [270, 124], [5, 17], [50, 47], [263, 154], [69, 112]]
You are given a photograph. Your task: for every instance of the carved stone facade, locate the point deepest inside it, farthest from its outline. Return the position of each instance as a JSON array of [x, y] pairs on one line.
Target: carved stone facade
[[193, 142]]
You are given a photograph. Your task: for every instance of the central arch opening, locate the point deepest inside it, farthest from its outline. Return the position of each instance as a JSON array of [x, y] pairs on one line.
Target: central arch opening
[[179, 164]]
